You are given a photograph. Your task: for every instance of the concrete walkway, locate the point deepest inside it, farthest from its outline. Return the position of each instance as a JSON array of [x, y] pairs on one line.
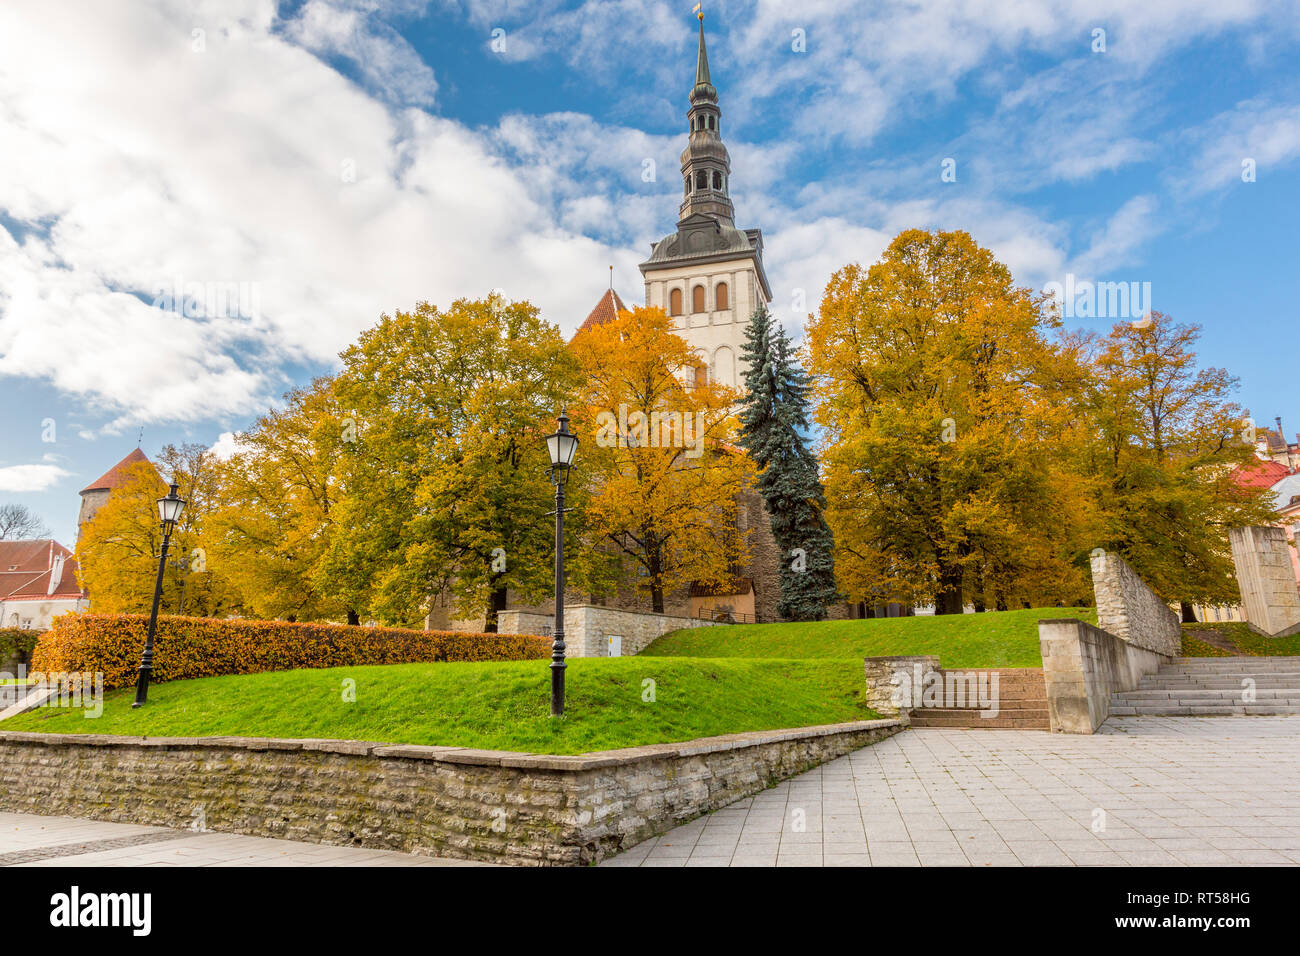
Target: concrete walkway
[[27, 839], [1145, 790]]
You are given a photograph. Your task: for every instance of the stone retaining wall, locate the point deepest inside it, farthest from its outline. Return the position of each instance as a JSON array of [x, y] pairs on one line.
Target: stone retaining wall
[[1130, 610], [1083, 665], [881, 684], [587, 627], [444, 801]]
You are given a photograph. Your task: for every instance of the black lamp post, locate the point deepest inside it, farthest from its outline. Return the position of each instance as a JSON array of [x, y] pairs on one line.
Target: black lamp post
[[169, 509], [561, 446]]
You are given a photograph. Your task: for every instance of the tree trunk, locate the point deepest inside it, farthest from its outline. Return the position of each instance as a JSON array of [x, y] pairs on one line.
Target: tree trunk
[[948, 600], [496, 602], [654, 566], [1188, 612]]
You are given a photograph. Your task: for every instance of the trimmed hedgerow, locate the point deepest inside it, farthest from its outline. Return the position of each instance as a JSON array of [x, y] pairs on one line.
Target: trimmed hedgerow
[[17, 643], [187, 647]]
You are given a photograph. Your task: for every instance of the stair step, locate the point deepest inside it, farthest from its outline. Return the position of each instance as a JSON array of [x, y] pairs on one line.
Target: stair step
[[964, 722], [1201, 693], [1203, 710]]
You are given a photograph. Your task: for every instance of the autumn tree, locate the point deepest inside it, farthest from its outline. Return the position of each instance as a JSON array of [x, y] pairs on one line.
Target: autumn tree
[[279, 492], [119, 548], [444, 487], [942, 405], [657, 457], [775, 418], [1166, 438]]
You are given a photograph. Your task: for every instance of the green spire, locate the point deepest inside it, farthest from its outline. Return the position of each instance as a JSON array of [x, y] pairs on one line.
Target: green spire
[[702, 64]]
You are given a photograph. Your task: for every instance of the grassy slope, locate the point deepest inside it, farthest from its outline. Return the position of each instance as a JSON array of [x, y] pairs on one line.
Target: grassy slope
[[498, 706], [1246, 641], [995, 639]]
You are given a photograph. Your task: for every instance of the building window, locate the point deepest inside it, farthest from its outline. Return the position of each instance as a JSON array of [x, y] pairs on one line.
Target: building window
[[675, 302], [720, 294], [717, 180], [701, 375], [697, 299]]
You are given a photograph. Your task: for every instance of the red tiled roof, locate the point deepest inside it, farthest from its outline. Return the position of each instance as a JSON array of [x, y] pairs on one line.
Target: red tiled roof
[[25, 570], [1260, 474], [606, 310], [115, 475]]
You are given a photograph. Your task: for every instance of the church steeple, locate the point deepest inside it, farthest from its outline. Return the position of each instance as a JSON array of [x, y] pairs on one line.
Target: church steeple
[[706, 166], [702, 61]]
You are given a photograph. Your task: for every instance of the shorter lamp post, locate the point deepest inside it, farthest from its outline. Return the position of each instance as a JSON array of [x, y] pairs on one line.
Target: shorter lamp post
[[169, 509], [561, 446]]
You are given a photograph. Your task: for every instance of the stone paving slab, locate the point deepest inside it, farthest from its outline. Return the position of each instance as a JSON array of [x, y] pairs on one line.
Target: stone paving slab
[[31, 840], [1160, 791]]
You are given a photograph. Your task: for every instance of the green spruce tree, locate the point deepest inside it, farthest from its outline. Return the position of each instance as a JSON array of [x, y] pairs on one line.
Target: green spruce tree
[[774, 420]]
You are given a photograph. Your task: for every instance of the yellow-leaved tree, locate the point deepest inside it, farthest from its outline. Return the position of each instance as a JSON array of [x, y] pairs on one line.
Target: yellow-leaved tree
[[119, 548], [947, 424], [279, 493], [657, 455]]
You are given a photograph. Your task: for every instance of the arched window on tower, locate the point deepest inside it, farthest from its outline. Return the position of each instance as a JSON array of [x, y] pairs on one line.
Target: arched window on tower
[[697, 299], [702, 179], [720, 297], [717, 180], [675, 302]]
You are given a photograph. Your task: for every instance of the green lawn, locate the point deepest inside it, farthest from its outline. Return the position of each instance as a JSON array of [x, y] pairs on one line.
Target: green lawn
[[1245, 640], [993, 639], [497, 706]]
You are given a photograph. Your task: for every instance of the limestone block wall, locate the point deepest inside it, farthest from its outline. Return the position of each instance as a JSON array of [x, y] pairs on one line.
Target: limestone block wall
[[1130, 610], [515, 621], [487, 805], [587, 628], [880, 673], [1269, 593], [1082, 666]]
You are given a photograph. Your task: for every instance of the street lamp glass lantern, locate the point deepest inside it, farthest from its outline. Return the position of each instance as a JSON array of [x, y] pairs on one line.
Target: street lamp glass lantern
[[170, 507], [562, 446]]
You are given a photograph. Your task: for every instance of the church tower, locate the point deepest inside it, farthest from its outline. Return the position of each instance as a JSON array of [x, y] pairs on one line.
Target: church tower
[[708, 275]]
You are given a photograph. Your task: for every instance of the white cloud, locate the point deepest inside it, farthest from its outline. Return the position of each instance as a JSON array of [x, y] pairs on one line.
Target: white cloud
[[227, 445], [26, 478], [1266, 133], [1116, 243], [137, 162], [349, 29]]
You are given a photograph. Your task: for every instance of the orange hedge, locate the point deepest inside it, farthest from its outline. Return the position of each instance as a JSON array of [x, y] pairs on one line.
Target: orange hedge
[[187, 647]]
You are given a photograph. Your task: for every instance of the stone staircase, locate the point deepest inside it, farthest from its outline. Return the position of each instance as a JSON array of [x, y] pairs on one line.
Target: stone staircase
[[1021, 700], [1213, 687]]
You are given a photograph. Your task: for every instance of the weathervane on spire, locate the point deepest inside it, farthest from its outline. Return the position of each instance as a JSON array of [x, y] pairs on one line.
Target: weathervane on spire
[[699, 10]]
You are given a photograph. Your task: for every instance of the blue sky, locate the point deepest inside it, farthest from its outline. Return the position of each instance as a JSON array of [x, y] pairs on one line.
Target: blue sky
[[322, 162]]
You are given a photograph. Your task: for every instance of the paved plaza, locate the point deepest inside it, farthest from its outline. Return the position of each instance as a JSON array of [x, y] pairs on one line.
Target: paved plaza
[[1143, 790]]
